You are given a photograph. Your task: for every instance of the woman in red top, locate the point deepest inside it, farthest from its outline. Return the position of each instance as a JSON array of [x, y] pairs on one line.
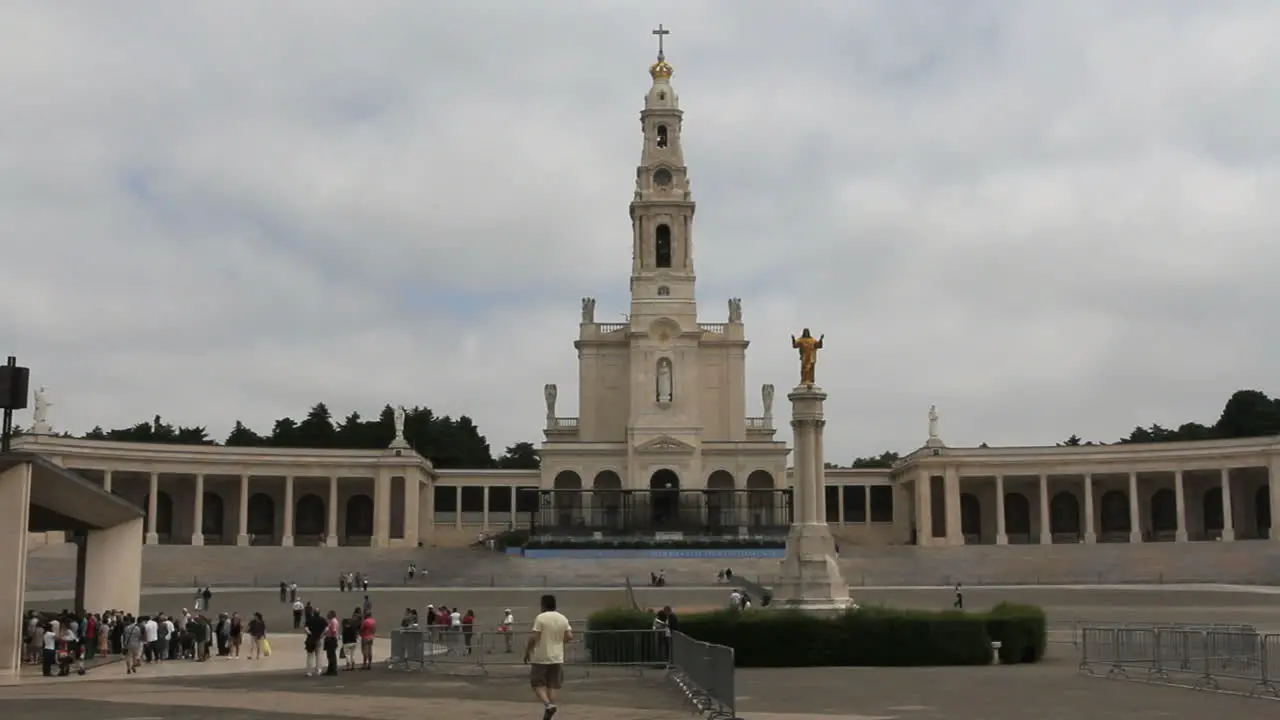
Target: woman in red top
[[368, 628], [468, 626]]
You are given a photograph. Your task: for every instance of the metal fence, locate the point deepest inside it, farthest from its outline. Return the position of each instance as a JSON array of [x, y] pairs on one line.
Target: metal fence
[[1231, 658], [704, 672]]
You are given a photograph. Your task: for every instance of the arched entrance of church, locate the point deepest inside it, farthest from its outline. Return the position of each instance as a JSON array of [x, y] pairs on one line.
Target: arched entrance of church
[[664, 486]]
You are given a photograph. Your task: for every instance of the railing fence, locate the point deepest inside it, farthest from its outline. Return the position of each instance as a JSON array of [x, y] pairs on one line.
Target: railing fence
[[1230, 658], [704, 672]]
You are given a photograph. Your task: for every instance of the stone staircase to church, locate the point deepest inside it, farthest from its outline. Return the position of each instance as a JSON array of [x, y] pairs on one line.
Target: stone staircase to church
[[53, 567]]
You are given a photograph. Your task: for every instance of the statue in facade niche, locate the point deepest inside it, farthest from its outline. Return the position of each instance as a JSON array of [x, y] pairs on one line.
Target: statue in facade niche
[[808, 346], [588, 310], [664, 380], [766, 394], [735, 310], [549, 394]]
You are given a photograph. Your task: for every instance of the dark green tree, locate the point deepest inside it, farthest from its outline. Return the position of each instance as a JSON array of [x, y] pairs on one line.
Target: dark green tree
[[242, 436], [883, 460], [1072, 441], [316, 430], [521, 456], [1249, 413], [284, 433]]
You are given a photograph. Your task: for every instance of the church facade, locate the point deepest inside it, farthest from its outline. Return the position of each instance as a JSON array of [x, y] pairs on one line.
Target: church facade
[[662, 398], [663, 418]]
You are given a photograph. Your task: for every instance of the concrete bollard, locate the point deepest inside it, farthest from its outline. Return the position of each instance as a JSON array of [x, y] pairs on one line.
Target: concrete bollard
[[995, 652]]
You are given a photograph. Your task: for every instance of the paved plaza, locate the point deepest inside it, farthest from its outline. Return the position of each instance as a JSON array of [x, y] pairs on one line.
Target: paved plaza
[[222, 689]]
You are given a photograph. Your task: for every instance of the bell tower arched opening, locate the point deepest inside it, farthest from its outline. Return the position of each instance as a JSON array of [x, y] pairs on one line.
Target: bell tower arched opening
[[662, 246], [662, 136]]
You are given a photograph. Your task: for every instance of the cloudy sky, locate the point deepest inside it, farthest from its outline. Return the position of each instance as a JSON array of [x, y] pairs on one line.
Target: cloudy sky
[[1045, 217]]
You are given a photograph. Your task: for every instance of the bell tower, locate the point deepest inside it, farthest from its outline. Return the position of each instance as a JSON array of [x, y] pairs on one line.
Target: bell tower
[[662, 278]]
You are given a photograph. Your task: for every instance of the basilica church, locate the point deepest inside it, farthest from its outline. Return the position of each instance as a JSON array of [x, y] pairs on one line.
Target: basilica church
[[662, 406], [663, 443]]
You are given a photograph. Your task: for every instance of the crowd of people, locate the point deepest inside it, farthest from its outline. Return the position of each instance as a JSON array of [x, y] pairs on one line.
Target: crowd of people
[[64, 641]]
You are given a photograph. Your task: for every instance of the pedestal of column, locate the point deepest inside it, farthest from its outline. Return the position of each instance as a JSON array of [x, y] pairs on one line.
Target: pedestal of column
[[809, 577]]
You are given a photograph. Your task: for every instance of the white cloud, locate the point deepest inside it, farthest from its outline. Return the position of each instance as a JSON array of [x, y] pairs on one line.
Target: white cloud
[[1048, 219]]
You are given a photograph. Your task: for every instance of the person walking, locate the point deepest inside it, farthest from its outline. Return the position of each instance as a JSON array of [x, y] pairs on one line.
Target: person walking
[[545, 654]]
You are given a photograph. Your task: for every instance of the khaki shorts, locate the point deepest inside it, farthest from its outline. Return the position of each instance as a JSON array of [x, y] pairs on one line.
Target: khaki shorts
[[546, 676]]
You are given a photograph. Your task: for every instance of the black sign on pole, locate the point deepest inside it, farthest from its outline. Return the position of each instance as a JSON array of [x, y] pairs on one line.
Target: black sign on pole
[[14, 383]]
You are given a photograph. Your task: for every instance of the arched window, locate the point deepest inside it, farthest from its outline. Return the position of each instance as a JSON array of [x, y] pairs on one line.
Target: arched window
[[662, 246], [662, 136]]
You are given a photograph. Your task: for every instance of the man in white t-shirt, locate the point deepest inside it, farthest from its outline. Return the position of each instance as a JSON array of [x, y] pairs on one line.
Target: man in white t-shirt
[[545, 654], [150, 638], [455, 619]]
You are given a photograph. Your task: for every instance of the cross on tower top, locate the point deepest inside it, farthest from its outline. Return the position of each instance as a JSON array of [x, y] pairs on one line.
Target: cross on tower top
[[661, 32]]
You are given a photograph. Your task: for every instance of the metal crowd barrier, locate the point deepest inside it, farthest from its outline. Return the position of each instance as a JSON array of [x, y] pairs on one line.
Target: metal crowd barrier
[[705, 673], [1213, 657], [496, 652]]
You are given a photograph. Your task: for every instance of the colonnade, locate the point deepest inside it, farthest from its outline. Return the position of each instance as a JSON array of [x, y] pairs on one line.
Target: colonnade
[[1069, 509]]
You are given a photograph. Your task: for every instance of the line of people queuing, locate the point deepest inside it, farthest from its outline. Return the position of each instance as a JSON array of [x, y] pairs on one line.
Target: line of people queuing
[[66, 640]]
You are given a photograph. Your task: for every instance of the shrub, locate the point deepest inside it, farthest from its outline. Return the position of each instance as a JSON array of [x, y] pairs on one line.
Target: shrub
[[1021, 630], [630, 637], [786, 638]]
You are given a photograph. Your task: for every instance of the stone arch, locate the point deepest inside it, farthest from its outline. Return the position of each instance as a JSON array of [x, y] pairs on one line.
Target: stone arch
[[606, 499], [1017, 514], [568, 504], [761, 505], [309, 516], [262, 515], [1262, 510], [662, 246], [1064, 514], [1164, 511], [720, 495], [1211, 506], [360, 516], [212, 514], [164, 512], [970, 515], [1114, 512], [664, 498]]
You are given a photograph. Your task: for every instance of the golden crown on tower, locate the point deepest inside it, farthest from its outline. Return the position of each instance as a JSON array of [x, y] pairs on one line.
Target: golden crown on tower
[[661, 70]]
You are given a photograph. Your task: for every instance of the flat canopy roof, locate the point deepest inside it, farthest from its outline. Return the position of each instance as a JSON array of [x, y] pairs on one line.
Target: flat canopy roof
[[62, 500]]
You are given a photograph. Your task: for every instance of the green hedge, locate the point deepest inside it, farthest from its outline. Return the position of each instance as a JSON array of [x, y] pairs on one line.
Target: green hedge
[[863, 637], [1021, 630]]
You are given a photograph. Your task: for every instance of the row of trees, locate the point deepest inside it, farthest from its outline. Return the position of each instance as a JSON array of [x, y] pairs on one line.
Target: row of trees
[[1248, 413], [457, 443], [448, 442]]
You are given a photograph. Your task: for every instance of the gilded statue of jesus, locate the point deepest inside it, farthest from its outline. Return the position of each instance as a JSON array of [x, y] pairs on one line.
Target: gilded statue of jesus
[[808, 346]]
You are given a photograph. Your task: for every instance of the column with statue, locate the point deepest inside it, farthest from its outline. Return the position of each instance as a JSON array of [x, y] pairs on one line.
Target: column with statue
[[810, 577]]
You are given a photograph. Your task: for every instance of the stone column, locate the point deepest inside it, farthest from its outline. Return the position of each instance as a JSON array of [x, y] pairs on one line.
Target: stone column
[[412, 523], [809, 576], [197, 512], [1046, 527], [1002, 538], [1273, 488], [15, 516], [1180, 503], [924, 508], [840, 505], [457, 503], [382, 510], [286, 540], [1090, 535], [1228, 522], [484, 510], [152, 538], [1135, 518], [106, 480], [951, 496], [242, 526], [331, 527]]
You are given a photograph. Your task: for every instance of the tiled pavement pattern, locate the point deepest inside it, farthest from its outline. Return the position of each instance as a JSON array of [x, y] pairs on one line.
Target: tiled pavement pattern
[[1062, 604], [1048, 692]]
